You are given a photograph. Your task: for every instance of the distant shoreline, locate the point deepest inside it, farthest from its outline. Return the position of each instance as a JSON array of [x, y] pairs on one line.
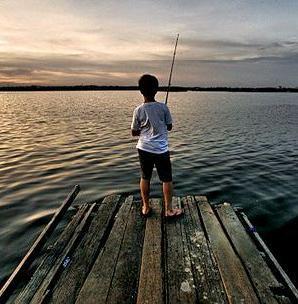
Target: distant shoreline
[[135, 88]]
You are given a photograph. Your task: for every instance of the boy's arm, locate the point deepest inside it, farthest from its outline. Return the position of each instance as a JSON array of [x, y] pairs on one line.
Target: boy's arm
[[135, 124], [168, 119]]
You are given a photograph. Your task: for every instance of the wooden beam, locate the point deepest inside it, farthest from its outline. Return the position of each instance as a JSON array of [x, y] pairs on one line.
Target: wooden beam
[[272, 259], [40, 241], [64, 259], [96, 287], [151, 278], [179, 279], [209, 286], [124, 285], [50, 259], [72, 278], [237, 284], [261, 275]]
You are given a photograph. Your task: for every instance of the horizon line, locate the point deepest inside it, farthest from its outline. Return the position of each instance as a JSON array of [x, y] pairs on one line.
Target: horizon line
[[175, 88]]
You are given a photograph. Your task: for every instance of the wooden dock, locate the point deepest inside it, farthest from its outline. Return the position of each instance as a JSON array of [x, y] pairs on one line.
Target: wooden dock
[[106, 252]]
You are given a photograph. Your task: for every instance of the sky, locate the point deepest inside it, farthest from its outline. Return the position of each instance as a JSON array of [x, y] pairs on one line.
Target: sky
[[222, 43]]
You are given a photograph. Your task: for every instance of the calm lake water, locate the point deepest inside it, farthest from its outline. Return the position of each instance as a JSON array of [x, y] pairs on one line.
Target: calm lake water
[[236, 147]]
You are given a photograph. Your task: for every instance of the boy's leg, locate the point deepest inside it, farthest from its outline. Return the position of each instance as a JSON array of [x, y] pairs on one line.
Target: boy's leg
[[167, 188], [167, 192], [164, 170], [146, 162], [145, 192]]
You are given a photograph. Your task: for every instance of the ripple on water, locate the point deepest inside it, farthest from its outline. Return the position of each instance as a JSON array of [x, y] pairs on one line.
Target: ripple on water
[[240, 148]]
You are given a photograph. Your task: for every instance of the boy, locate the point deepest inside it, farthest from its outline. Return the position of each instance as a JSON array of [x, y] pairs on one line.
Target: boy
[[151, 122]]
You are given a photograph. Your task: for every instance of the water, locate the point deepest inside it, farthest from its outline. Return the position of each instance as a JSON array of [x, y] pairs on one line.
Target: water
[[237, 147]]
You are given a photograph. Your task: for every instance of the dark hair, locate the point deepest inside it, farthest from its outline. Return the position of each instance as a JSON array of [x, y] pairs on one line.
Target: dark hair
[[148, 85]]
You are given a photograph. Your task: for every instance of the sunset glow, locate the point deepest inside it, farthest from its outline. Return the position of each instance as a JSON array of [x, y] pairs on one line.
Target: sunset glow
[[71, 42]]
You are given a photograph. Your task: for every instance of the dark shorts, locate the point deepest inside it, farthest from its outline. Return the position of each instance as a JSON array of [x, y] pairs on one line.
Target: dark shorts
[[162, 163]]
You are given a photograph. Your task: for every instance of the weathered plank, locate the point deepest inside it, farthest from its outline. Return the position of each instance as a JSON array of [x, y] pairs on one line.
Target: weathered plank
[[124, 285], [62, 262], [110, 257], [72, 278], [40, 241], [271, 258], [179, 279], [30, 289], [98, 282], [237, 284], [151, 278], [260, 274], [206, 274]]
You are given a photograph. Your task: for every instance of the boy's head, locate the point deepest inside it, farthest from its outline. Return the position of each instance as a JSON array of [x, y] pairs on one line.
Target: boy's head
[[148, 85]]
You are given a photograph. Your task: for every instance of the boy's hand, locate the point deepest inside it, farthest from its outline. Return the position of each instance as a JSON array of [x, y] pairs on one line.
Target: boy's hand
[[135, 132]]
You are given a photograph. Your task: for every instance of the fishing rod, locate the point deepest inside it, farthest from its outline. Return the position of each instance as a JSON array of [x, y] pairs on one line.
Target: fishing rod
[[170, 77]]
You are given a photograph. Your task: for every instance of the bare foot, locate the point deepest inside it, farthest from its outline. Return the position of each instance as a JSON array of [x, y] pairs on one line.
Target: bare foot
[[174, 212], [145, 209]]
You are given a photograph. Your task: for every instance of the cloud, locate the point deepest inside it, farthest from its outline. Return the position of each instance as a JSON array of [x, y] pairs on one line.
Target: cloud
[[16, 72], [219, 49], [77, 69], [112, 42], [218, 43]]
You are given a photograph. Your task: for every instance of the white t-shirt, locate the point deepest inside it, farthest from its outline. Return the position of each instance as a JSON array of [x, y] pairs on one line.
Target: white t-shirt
[[151, 119]]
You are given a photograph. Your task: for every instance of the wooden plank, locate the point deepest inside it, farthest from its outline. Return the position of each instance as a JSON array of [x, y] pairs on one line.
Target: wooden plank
[[98, 282], [260, 274], [30, 289], [62, 262], [180, 286], [206, 274], [124, 285], [72, 278], [270, 256], [151, 278], [40, 241], [237, 284]]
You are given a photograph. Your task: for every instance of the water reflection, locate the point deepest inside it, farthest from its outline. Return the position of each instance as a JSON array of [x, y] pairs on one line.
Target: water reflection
[[238, 147]]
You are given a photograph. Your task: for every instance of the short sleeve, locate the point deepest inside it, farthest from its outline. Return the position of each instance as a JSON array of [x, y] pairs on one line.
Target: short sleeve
[[168, 117], [135, 124]]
